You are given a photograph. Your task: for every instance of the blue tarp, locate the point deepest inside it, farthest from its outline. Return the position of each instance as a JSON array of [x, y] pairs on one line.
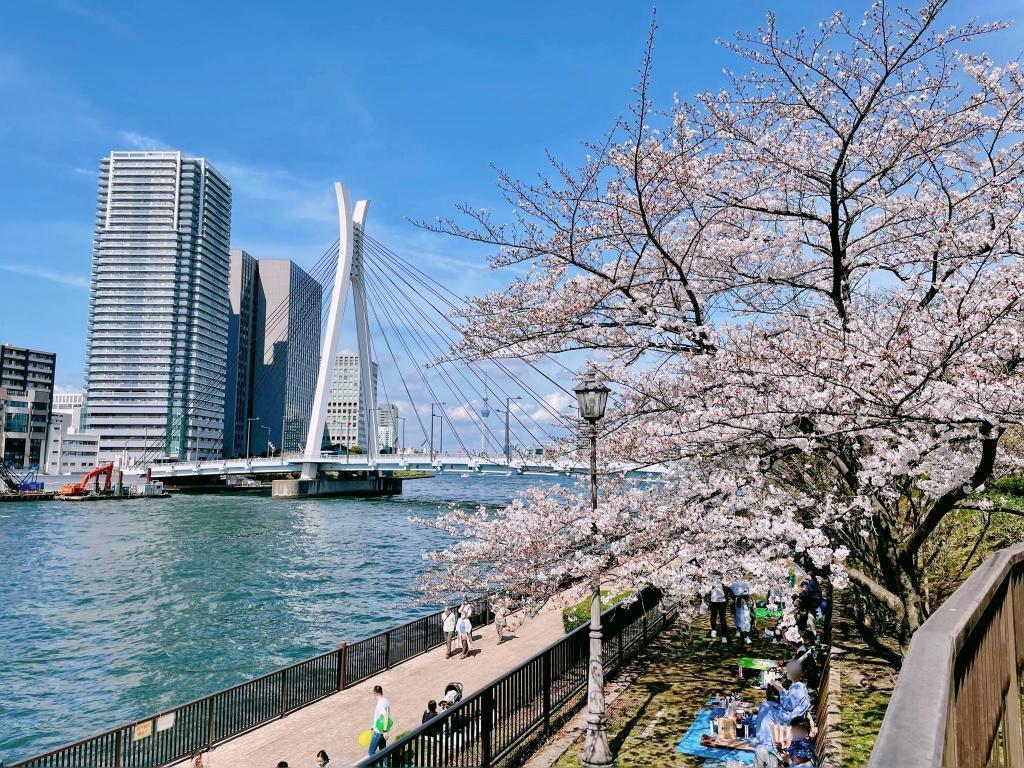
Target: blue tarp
[[690, 743]]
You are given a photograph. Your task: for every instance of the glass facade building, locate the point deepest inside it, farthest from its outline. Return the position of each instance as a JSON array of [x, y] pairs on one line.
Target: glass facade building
[[158, 308], [273, 355]]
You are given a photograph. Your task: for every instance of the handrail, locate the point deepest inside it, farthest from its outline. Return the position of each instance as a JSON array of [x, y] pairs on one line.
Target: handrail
[[203, 722], [501, 721], [959, 686]]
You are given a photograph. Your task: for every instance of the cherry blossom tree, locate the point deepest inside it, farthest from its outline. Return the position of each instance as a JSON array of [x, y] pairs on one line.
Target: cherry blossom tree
[[806, 290]]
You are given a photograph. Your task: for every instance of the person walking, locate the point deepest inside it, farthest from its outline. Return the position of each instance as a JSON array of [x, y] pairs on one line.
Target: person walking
[[465, 629], [322, 759], [448, 621], [430, 712], [718, 604], [466, 609], [382, 722]]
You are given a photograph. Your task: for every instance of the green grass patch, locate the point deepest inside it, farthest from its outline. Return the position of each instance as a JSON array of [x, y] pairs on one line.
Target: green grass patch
[[667, 686], [579, 614]]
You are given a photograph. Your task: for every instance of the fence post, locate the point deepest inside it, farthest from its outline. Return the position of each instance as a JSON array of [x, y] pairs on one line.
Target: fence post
[[209, 723], [387, 650], [486, 723], [117, 748], [342, 656], [621, 627], [426, 634], [545, 674], [284, 692]]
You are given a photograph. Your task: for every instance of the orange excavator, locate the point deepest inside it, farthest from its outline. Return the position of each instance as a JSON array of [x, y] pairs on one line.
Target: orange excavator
[[83, 487]]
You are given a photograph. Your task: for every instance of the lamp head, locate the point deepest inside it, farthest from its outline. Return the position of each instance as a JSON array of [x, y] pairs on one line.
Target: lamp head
[[591, 396]]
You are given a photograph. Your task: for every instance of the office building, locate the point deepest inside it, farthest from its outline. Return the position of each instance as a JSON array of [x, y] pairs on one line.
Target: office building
[[70, 452], [274, 355], [26, 394], [156, 357], [387, 428], [69, 403], [237, 386], [346, 413]]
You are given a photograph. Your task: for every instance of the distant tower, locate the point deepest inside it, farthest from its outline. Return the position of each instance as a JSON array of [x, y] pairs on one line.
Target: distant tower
[[485, 411]]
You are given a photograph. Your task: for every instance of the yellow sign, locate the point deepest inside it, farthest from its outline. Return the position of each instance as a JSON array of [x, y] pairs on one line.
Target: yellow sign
[[142, 730]]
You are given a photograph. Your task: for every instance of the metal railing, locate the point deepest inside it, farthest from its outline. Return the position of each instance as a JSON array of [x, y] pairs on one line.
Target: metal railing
[[505, 720], [177, 733], [958, 698]]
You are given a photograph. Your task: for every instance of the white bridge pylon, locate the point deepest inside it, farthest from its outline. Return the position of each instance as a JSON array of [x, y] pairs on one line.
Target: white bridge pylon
[[349, 274]]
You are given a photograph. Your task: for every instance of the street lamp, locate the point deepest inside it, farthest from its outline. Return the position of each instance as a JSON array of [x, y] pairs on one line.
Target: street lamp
[[248, 435], [432, 417], [264, 426], [402, 448], [592, 397], [508, 445]]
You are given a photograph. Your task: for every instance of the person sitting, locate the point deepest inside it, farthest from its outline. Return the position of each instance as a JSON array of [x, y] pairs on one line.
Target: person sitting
[[795, 748], [793, 702], [430, 712]]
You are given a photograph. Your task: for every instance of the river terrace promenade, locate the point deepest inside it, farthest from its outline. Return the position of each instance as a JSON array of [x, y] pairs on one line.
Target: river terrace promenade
[[335, 722]]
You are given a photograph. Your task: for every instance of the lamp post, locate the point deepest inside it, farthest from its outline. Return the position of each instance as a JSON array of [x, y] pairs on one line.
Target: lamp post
[[248, 435], [508, 445], [432, 417], [592, 397], [402, 447], [264, 426]]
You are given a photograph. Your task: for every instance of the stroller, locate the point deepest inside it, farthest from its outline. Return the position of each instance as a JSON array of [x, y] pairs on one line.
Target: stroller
[[452, 695]]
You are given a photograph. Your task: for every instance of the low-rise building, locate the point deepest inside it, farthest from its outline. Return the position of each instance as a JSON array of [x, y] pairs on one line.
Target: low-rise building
[[69, 451], [26, 391], [71, 404]]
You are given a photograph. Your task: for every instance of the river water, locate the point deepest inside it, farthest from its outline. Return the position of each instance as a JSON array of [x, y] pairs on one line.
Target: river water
[[110, 611]]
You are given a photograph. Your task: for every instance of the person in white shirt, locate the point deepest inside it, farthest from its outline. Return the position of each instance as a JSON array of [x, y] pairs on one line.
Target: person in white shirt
[[381, 721], [448, 620], [717, 601], [465, 629], [466, 609]]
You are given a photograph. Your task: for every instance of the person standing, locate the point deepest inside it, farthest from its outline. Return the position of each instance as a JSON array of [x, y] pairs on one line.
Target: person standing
[[465, 629], [717, 602], [448, 620], [381, 722], [500, 620], [430, 712], [466, 609], [742, 618], [322, 759]]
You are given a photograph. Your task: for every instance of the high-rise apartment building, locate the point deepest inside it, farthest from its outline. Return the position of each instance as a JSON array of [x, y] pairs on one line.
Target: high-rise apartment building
[[346, 413], [274, 354], [387, 428], [156, 353], [26, 393]]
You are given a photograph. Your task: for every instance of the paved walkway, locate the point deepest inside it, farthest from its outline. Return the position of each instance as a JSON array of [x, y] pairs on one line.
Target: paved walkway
[[334, 723]]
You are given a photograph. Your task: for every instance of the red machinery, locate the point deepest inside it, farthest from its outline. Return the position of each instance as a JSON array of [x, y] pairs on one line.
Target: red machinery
[[82, 488]]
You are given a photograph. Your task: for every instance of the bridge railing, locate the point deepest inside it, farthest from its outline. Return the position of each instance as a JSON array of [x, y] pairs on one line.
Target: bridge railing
[[958, 698], [508, 718], [177, 733]]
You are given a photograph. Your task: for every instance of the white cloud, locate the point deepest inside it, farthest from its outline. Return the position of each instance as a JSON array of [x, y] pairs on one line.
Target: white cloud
[[75, 281], [135, 140]]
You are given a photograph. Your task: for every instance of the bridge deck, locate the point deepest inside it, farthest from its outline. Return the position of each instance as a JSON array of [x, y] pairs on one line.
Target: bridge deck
[[334, 723]]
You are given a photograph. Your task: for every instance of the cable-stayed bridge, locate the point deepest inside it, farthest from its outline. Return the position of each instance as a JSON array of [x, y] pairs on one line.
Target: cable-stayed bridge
[[406, 322]]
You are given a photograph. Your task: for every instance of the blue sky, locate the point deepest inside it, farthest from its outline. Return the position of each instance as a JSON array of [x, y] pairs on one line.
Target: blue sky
[[407, 103]]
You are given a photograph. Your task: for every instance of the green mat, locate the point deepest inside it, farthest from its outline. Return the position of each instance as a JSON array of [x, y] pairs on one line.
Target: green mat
[[746, 662]]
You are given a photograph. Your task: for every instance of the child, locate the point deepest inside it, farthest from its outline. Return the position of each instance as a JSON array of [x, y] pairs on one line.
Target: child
[[742, 618], [800, 750]]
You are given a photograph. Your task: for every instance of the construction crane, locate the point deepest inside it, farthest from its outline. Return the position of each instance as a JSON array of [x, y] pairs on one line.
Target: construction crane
[[82, 488], [17, 483]]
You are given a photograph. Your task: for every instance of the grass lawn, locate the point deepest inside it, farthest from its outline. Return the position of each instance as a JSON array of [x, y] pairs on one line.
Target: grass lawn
[[867, 677], [671, 681]]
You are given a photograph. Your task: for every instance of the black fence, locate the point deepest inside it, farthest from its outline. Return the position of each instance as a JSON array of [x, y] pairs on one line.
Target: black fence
[[179, 732], [507, 719]]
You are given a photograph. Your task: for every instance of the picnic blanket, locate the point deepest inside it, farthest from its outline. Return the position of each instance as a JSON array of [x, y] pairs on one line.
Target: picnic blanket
[[690, 743]]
